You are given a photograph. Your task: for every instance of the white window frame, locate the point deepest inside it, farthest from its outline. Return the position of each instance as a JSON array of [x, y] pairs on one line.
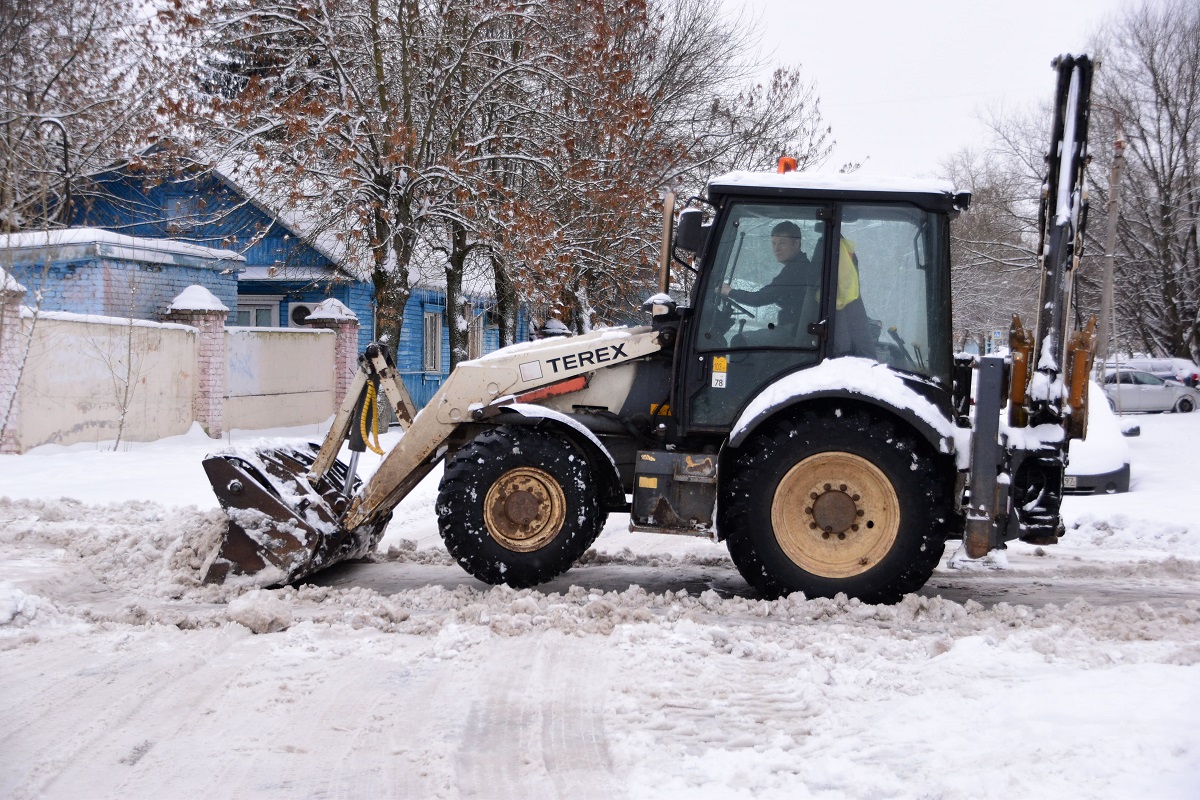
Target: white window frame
[[433, 342], [475, 336], [252, 302]]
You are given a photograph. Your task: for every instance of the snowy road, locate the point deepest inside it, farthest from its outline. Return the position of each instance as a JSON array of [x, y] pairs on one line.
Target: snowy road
[[648, 671]]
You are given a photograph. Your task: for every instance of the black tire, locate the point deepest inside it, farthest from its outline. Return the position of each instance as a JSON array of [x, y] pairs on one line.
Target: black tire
[[1185, 405], [518, 505], [837, 500]]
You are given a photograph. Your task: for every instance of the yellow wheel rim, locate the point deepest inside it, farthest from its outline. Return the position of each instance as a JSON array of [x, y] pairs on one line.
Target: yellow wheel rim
[[835, 515], [524, 509]]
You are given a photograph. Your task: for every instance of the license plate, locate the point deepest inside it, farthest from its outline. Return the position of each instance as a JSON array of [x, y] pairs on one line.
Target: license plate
[[1070, 482]]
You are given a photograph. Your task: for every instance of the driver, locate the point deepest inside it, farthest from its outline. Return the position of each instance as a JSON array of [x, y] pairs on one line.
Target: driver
[[798, 271], [853, 334]]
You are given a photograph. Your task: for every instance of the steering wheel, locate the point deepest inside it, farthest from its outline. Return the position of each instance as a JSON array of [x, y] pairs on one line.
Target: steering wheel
[[729, 303]]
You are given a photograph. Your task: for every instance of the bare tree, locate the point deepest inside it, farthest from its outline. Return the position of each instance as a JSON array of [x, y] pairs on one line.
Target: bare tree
[[657, 96], [525, 138], [368, 110], [1151, 78], [992, 244], [79, 84]]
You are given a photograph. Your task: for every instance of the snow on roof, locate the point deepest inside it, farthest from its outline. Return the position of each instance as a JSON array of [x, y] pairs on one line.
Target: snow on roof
[[197, 298], [304, 210], [332, 309], [833, 182], [114, 245], [9, 284]]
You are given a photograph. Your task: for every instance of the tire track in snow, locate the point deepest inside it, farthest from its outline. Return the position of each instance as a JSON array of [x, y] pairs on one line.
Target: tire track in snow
[[73, 718], [538, 729]]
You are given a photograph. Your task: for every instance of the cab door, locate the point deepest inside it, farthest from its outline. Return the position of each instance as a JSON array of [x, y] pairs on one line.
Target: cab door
[[757, 317]]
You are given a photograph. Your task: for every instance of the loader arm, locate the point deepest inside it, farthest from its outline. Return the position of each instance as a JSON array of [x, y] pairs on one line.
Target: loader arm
[[1017, 474], [292, 512], [512, 375]]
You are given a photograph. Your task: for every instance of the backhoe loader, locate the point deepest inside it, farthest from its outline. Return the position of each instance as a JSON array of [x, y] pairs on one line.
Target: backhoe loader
[[794, 395]]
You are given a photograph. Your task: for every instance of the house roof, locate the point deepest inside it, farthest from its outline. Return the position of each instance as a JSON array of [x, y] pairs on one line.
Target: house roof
[[108, 244], [307, 211], [304, 210]]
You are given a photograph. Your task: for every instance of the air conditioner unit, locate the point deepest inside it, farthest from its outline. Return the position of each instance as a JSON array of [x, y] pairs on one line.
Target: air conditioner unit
[[298, 313]]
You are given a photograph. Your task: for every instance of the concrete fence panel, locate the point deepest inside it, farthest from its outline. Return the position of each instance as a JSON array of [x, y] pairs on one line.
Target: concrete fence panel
[[278, 377], [91, 378]]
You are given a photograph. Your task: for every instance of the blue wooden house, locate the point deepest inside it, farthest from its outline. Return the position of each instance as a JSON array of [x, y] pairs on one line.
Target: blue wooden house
[[294, 257], [286, 271]]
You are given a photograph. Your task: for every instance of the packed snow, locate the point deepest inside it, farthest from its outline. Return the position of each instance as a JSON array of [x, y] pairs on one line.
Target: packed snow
[[649, 670]]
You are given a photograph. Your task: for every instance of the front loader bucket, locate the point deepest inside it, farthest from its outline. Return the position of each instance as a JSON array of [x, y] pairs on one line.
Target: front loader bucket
[[281, 527]]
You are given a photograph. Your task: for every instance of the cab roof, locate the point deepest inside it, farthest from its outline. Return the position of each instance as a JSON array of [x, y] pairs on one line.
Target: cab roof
[[928, 193]]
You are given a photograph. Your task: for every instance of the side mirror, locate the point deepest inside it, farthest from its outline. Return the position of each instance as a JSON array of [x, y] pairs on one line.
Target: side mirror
[[660, 305], [689, 232]]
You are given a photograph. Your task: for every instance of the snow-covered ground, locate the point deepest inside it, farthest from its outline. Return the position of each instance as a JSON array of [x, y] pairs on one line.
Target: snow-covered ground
[[650, 670]]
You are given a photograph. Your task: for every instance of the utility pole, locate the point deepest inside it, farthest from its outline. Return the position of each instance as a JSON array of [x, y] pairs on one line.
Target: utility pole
[[1110, 244]]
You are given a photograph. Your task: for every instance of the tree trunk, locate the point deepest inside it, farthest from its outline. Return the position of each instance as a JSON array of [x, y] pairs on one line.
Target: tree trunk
[[456, 319], [506, 303]]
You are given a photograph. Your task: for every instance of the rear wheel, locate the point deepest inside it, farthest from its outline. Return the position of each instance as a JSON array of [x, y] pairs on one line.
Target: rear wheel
[[518, 505], [1185, 405], [836, 502]]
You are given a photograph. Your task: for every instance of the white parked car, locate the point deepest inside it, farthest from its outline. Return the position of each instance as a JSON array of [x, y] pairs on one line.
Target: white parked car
[[1133, 390], [1175, 369], [1098, 464]]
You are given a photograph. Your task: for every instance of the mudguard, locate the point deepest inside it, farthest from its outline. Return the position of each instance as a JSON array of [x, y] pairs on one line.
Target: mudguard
[[861, 380], [598, 456]]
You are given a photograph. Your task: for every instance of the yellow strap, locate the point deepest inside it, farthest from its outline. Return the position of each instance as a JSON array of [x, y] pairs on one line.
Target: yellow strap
[[847, 288], [370, 411]]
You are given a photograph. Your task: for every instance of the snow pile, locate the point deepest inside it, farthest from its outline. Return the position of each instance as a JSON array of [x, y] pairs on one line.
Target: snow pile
[[648, 670], [16, 607], [261, 612], [1120, 532]]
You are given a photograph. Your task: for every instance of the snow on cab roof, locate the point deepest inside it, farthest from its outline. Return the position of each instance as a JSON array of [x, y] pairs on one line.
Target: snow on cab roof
[[853, 182]]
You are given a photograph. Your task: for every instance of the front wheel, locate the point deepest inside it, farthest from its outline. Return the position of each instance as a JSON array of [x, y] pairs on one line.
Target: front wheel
[[838, 501], [518, 505], [1185, 405]]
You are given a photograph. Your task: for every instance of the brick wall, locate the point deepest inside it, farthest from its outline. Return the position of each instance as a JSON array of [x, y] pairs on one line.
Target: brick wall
[[208, 407], [11, 353], [111, 287]]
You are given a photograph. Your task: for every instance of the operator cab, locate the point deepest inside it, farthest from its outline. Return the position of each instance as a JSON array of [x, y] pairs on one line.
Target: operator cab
[[793, 269]]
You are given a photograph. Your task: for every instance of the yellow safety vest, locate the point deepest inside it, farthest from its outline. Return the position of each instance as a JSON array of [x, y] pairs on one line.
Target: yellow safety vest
[[847, 290]]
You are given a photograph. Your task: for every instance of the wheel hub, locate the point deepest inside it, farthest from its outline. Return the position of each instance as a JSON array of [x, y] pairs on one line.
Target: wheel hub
[[524, 509], [835, 514], [521, 507]]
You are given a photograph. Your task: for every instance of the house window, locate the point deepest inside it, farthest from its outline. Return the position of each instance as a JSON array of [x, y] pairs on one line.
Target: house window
[[257, 311], [474, 334], [433, 341], [181, 212]]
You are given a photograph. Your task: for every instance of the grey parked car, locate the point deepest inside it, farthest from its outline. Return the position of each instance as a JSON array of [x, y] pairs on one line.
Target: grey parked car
[[1133, 390]]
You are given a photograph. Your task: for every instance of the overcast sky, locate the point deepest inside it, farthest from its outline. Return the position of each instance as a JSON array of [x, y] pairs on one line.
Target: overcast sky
[[904, 83]]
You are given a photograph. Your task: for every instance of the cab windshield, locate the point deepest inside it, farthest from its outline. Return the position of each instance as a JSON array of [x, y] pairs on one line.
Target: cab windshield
[[887, 264]]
